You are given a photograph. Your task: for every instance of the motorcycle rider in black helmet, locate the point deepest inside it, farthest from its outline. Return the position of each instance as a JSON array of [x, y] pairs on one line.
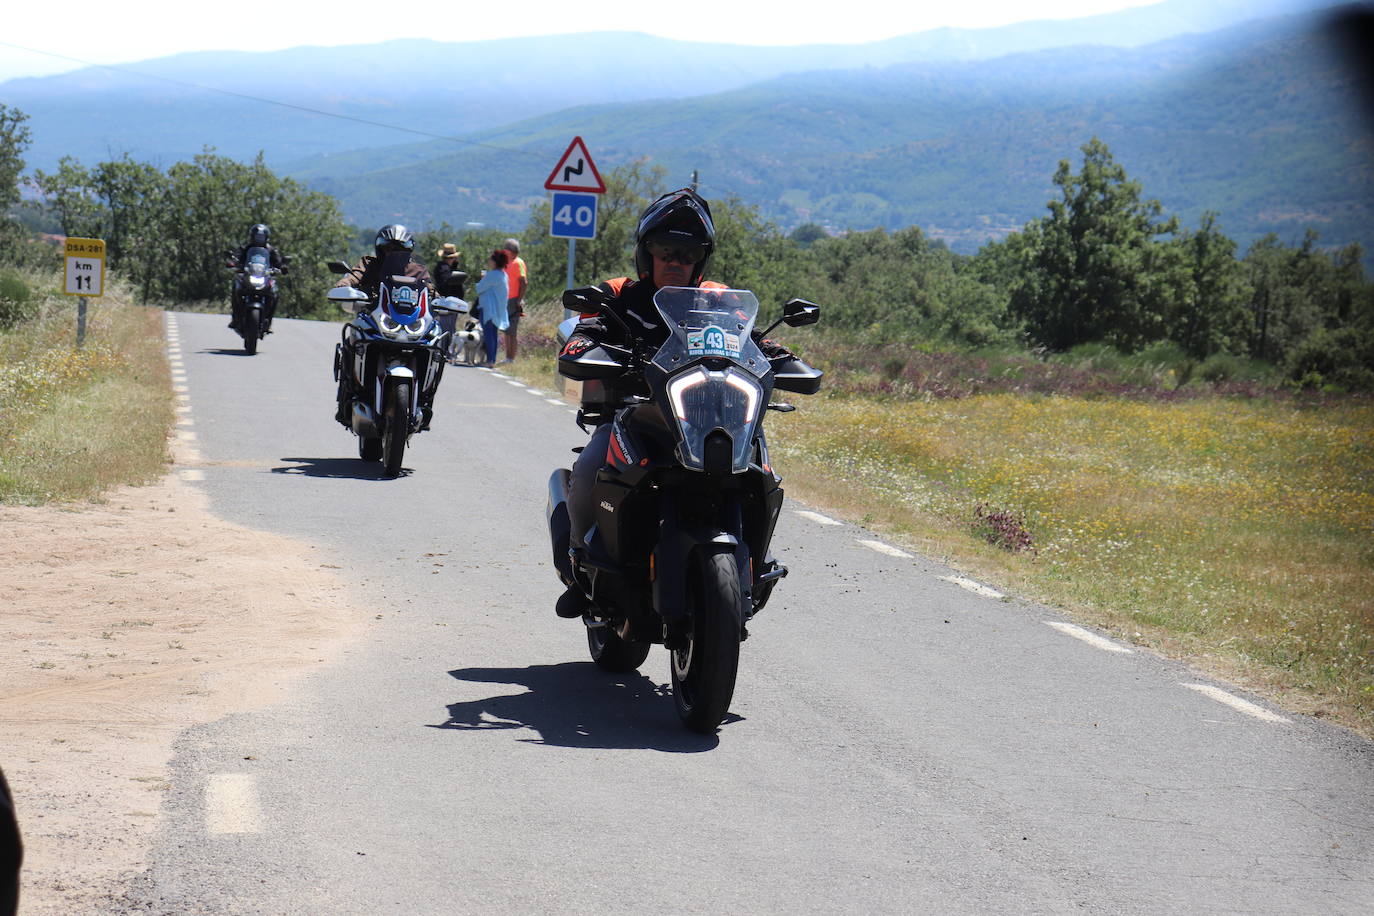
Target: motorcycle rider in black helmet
[[673, 243], [258, 237], [392, 247]]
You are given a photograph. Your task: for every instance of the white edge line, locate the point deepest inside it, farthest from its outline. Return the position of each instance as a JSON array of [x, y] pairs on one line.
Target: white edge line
[[816, 517], [976, 587], [511, 381], [231, 804], [1236, 703], [888, 549], [1088, 637], [554, 401]]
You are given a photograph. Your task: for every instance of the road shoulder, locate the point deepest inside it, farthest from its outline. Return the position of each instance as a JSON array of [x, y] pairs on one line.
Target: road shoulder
[[124, 623]]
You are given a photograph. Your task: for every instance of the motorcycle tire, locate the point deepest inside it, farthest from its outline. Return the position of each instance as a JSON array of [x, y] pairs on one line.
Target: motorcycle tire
[[397, 428], [250, 332], [704, 670], [613, 653], [370, 448]]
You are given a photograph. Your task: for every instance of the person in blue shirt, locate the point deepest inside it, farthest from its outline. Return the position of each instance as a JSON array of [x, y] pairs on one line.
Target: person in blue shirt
[[492, 295]]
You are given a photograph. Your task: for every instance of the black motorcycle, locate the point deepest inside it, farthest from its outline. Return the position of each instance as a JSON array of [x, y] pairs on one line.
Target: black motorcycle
[[687, 500], [389, 363], [254, 295]]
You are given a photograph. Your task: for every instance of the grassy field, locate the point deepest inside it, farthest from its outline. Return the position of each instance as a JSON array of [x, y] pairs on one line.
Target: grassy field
[[1229, 527], [76, 422]]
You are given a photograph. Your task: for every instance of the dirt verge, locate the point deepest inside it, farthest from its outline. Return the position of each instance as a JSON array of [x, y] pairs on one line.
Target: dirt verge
[[121, 624]]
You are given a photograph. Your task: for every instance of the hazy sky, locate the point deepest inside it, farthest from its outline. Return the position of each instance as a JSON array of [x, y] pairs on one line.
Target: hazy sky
[[121, 31]]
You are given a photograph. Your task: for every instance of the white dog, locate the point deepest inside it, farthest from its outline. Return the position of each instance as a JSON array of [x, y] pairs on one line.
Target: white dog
[[469, 339]]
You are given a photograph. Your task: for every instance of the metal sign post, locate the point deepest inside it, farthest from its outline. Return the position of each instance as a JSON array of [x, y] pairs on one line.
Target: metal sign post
[[85, 275]]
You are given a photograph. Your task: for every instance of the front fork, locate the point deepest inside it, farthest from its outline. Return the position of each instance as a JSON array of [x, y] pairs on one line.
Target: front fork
[[681, 536]]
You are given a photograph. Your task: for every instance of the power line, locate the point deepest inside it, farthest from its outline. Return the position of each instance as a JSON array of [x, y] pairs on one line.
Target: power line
[[305, 108]]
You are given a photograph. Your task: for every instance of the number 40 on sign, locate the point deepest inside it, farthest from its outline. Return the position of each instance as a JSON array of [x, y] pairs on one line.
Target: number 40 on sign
[[573, 216]]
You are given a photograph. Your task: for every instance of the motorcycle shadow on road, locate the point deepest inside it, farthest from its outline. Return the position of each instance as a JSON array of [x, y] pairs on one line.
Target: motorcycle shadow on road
[[224, 351], [346, 468], [576, 704]]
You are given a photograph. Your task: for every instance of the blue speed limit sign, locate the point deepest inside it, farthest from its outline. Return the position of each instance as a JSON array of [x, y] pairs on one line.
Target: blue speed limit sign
[[573, 216]]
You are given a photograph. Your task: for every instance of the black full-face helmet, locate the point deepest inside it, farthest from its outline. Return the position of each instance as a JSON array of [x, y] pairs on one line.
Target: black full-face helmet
[[680, 222], [258, 235], [393, 238]]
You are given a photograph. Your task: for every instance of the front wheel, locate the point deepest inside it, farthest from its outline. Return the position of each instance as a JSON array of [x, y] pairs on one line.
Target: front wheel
[[397, 415], [704, 670], [613, 653], [250, 331]]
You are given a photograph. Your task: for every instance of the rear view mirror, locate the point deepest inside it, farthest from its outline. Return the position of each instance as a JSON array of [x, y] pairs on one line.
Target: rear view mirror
[[798, 313], [338, 267]]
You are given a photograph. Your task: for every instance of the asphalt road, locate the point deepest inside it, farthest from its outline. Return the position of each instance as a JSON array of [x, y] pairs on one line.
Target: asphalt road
[[898, 743]]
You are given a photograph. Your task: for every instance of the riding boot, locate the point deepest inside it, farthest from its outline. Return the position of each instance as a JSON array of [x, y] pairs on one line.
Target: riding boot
[[572, 603]]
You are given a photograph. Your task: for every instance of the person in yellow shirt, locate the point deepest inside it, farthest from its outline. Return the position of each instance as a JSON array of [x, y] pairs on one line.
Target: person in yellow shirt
[[517, 279]]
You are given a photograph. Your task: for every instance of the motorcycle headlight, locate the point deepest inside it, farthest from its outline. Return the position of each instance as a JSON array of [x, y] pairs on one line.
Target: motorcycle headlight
[[257, 282], [704, 401]]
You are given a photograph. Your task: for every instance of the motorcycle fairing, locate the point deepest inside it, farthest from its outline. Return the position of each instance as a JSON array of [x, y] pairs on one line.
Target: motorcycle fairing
[[718, 380]]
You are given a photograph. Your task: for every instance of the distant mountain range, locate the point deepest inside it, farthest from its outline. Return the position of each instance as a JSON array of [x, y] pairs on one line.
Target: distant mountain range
[[1256, 121], [1234, 105], [155, 111]]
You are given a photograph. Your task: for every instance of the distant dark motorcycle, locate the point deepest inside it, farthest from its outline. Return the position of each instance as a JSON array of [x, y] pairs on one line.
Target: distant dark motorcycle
[[389, 362], [687, 498], [254, 296]]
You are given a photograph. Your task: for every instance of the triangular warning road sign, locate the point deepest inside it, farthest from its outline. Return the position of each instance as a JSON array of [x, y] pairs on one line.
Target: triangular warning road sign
[[576, 171]]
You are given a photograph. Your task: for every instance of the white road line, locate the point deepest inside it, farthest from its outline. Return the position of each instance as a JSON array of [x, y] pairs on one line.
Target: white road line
[[1236, 703], [231, 804], [815, 517], [887, 549], [192, 474], [1088, 637], [554, 401], [538, 394], [186, 421], [511, 381], [186, 435], [976, 587], [180, 389]]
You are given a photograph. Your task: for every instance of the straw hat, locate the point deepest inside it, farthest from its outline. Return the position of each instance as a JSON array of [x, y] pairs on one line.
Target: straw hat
[[449, 250]]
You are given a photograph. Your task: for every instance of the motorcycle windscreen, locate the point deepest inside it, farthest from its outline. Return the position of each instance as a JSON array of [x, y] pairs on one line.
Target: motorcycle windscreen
[[714, 366]]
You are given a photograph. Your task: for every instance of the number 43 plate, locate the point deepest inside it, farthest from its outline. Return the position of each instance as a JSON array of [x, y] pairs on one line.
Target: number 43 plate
[[573, 216]]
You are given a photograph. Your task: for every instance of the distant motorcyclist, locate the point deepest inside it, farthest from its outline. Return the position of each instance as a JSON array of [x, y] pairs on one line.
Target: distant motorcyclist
[[259, 236], [393, 247], [673, 243]]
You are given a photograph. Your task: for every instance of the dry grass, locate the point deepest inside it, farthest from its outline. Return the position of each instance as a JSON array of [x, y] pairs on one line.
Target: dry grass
[[75, 423], [1232, 532]]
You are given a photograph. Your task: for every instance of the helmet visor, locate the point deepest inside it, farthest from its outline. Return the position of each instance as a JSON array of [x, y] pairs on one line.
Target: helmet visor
[[677, 251]]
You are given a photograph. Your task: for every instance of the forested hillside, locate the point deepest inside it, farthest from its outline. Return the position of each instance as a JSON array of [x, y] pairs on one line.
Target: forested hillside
[[1256, 123]]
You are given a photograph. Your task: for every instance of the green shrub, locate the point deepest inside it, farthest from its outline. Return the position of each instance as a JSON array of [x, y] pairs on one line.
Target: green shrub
[[17, 301], [1221, 367], [1339, 360]]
